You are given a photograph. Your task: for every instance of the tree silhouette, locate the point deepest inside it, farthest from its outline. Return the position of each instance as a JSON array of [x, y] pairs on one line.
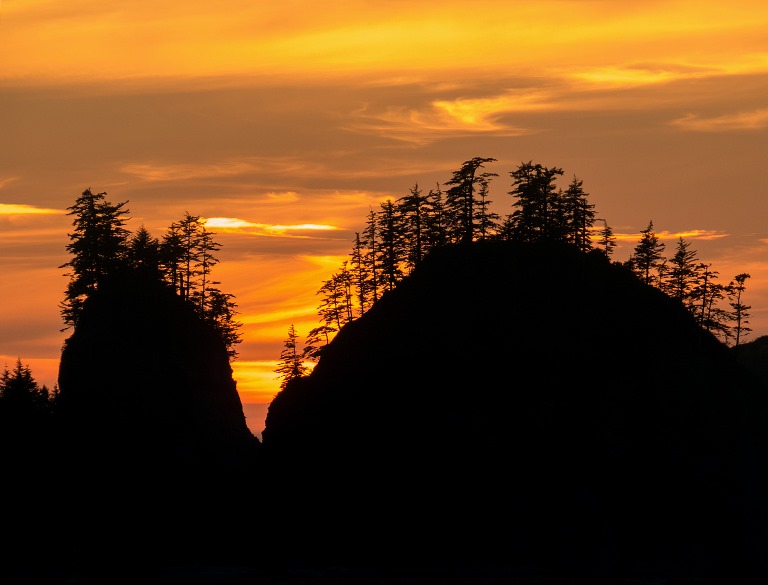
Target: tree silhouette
[[392, 244], [486, 221], [606, 239], [577, 215], [740, 310], [144, 251], [291, 363], [317, 339], [20, 395], [99, 246], [648, 256], [413, 209], [682, 275], [436, 220], [335, 308], [462, 198], [708, 294], [371, 258], [535, 193], [360, 275]]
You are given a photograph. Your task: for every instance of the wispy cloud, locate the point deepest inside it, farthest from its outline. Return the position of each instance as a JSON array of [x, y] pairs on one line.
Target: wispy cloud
[[638, 75], [21, 209], [667, 235], [450, 118], [155, 172], [263, 229], [752, 120]]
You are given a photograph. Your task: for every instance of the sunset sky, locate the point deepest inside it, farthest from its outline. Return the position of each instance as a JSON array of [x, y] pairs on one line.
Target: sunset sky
[[284, 123]]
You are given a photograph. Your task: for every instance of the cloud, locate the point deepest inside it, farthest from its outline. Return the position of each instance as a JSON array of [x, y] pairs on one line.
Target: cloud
[[21, 209], [448, 118], [752, 120], [667, 235], [639, 75], [263, 229], [153, 172]]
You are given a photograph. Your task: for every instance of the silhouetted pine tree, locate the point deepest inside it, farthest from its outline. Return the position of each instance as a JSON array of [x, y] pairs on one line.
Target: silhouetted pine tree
[[371, 257], [647, 261], [317, 339], [578, 215], [534, 193], [21, 396], [171, 253], [682, 275], [436, 220], [99, 246], [335, 308], [144, 251], [219, 310], [291, 363], [740, 311], [206, 247], [189, 229], [707, 295], [461, 199], [413, 209], [486, 221], [607, 240], [360, 276], [392, 247]]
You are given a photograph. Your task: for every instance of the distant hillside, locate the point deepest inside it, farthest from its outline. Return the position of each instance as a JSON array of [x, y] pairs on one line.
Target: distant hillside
[[523, 404]]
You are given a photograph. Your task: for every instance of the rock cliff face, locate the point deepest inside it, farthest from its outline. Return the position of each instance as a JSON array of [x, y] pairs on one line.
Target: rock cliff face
[[530, 405], [152, 381], [153, 442]]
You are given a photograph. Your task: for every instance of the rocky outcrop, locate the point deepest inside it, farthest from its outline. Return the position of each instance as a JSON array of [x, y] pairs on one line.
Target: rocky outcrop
[[529, 405], [153, 441], [143, 373]]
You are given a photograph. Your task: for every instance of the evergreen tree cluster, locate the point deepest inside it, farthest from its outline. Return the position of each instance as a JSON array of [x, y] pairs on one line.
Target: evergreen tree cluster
[[22, 399], [718, 308], [402, 232], [183, 258]]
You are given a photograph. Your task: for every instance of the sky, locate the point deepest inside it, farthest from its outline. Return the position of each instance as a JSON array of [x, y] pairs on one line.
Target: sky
[[283, 124]]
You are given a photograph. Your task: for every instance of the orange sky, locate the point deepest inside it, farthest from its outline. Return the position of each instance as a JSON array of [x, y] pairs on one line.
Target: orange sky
[[288, 120]]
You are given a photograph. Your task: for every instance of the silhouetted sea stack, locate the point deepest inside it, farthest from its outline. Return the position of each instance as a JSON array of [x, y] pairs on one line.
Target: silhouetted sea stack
[[154, 441], [527, 405], [145, 373]]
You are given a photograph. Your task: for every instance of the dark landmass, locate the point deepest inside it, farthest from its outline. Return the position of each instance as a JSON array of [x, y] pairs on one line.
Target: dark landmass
[[558, 421]]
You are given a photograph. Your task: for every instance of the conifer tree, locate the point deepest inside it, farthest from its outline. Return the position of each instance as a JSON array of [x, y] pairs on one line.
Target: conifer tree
[[461, 198], [335, 307], [740, 311], [682, 275], [317, 339], [144, 251], [578, 215], [486, 221], [20, 394], [291, 363], [99, 247], [189, 229], [220, 310], [534, 191], [360, 275], [392, 252], [371, 257], [607, 240], [707, 295], [648, 256], [436, 220], [412, 208]]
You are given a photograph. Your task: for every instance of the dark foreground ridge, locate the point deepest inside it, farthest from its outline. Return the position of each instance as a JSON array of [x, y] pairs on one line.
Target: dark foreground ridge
[[509, 413]]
